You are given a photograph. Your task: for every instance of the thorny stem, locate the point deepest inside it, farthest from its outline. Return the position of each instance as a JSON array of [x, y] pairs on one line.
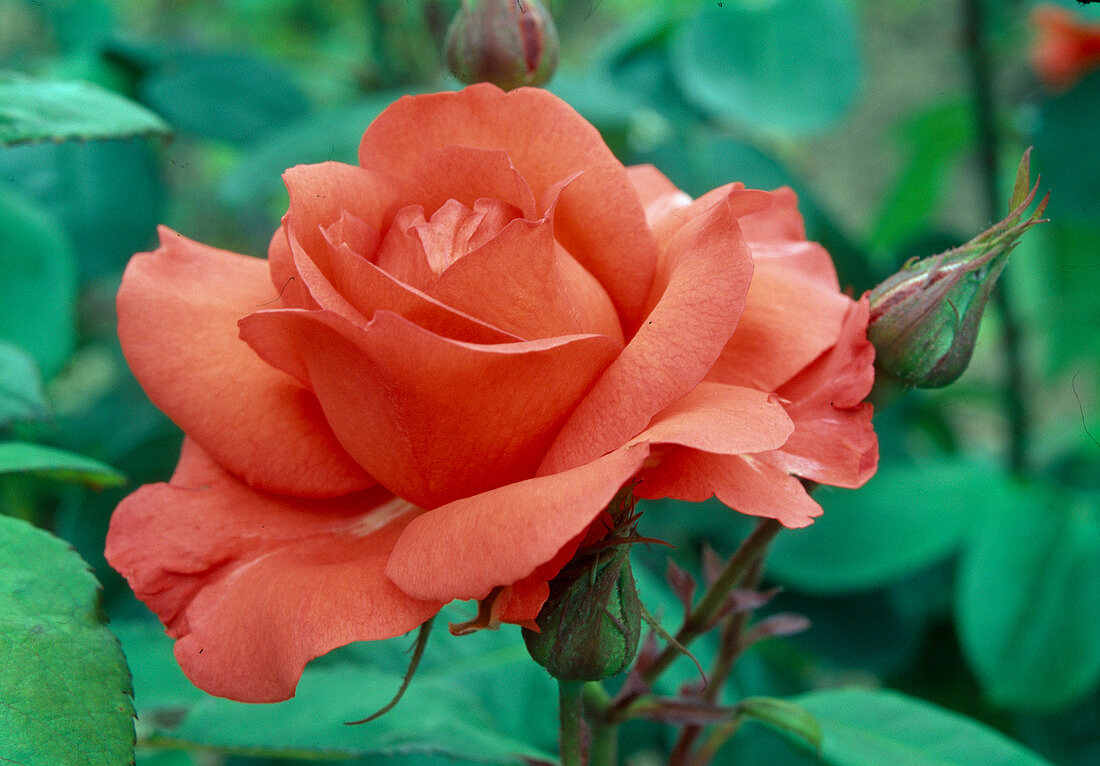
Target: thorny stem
[[981, 90], [569, 706], [729, 649], [750, 551]]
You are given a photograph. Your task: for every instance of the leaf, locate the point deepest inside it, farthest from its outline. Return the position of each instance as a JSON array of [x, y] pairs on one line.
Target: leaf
[[936, 139], [57, 464], [1028, 600], [784, 715], [863, 727], [53, 110], [63, 679], [788, 66], [227, 96], [106, 194], [21, 394], [39, 270], [905, 519], [461, 703], [1065, 151]]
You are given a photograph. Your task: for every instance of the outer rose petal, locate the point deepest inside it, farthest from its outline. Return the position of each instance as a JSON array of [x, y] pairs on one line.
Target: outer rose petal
[[598, 217], [729, 420], [177, 313], [659, 196], [708, 274], [434, 419], [253, 585], [468, 547], [743, 482], [833, 442], [789, 320]]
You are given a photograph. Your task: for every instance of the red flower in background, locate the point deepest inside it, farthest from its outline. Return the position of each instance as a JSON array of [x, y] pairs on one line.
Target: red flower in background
[[1066, 47], [454, 357]]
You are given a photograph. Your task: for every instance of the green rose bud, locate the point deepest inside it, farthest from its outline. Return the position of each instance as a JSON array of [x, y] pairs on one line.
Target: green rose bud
[[925, 318], [506, 42], [591, 623]]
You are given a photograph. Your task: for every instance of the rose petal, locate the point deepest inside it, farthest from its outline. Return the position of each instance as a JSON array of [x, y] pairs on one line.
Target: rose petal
[[789, 320], [779, 221], [708, 274], [466, 174], [468, 547], [730, 420], [321, 194], [434, 419], [598, 219], [254, 585], [659, 196], [833, 442], [520, 282], [177, 313], [742, 482]]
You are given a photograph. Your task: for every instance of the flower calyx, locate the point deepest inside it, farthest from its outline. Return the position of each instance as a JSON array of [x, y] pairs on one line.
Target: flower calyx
[[590, 625]]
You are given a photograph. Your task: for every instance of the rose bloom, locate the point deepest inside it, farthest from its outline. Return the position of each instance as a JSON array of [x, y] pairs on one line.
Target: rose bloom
[[453, 358], [1066, 48]]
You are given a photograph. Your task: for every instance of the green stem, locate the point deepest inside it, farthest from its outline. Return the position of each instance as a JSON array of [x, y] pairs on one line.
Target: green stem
[[569, 706], [982, 92], [605, 733], [750, 551]]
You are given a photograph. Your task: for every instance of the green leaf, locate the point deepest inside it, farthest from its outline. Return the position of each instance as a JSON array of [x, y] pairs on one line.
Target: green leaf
[[862, 727], [107, 194], [63, 679], [789, 66], [331, 135], [461, 702], [226, 96], [39, 268], [905, 519], [789, 717], [936, 139], [51, 110], [53, 463], [1028, 600], [21, 394], [1065, 151]]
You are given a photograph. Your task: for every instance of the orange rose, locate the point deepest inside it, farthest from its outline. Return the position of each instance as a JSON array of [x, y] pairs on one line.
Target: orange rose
[[454, 357], [1066, 47]]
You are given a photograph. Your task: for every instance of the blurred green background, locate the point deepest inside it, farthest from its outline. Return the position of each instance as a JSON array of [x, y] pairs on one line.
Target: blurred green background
[[967, 572]]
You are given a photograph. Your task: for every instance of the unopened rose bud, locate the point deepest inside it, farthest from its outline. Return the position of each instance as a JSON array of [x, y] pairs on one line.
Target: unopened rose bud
[[925, 318], [590, 624], [506, 42]]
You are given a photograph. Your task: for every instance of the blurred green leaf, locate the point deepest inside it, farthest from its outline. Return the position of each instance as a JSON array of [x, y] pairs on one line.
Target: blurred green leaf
[[863, 727], [37, 261], [107, 194], [461, 703], [63, 680], [21, 394], [935, 140], [1072, 310], [905, 519], [1065, 151], [228, 96], [790, 66], [789, 717], [330, 135], [50, 110], [57, 464], [1028, 600]]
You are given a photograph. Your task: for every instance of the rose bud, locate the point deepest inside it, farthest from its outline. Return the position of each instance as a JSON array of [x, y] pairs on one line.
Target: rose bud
[[1066, 48], [925, 318], [590, 624], [506, 42]]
